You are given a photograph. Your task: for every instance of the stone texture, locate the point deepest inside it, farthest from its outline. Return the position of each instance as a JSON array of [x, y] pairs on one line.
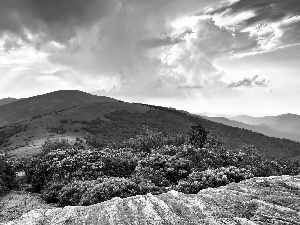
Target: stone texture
[[272, 200], [15, 203]]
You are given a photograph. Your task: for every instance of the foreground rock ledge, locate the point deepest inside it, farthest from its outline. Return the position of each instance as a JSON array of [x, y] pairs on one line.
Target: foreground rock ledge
[[272, 200]]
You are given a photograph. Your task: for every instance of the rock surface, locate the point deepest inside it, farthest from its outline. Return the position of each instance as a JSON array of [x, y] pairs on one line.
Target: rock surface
[[272, 200], [15, 203]]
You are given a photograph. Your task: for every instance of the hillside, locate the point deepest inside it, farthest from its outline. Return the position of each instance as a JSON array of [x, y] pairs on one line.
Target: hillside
[[78, 116], [28, 108], [273, 200], [5, 101]]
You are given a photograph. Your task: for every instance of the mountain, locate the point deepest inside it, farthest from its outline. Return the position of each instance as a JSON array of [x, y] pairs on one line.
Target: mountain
[[96, 121], [5, 101], [251, 120], [286, 123], [268, 200], [263, 129], [44, 104]]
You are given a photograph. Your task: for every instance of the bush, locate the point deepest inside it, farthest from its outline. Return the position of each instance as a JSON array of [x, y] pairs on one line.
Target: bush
[[55, 144], [51, 193], [37, 173], [198, 136], [292, 167], [79, 164], [7, 176], [154, 140], [163, 170], [108, 189], [72, 193], [94, 191], [212, 178], [149, 163]]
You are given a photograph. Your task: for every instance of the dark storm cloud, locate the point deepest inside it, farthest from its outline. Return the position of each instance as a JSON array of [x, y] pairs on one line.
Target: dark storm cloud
[[265, 10], [292, 33], [249, 83], [50, 19], [269, 24]]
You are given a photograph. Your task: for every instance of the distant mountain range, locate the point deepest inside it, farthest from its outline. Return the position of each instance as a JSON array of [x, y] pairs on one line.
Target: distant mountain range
[[281, 126], [286, 123], [26, 124]]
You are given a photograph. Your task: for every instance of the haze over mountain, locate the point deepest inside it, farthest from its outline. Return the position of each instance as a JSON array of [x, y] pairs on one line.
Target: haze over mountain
[[259, 128], [286, 123]]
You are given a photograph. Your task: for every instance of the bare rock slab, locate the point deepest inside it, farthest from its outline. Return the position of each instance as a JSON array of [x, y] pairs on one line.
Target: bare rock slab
[[272, 200]]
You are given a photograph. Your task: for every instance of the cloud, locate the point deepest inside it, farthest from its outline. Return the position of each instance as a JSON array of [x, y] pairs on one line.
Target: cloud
[[10, 44], [127, 47], [250, 83], [190, 87], [192, 62], [42, 20], [143, 55], [165, 40], [272, 24]]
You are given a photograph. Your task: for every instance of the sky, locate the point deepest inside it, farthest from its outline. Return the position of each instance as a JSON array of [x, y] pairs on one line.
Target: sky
[[219, 56]]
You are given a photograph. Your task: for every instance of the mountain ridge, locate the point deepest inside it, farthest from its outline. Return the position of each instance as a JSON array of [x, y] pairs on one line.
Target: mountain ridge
[[285, 123], [26, 108], [263, 129], [102, 119]]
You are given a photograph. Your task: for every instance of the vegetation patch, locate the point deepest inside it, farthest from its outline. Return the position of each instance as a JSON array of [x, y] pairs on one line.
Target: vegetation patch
[[151, 162]]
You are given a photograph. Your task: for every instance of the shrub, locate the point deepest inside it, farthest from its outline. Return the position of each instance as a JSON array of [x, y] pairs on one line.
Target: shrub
[[7, 176], [149, 163], [292, 167], [51, 192], [153, 140], [63, 121], [212, 178], [163, 170], [72, 193], [198, 136], [94, 191], [157, 177], [79, 164], [55, 144], [37, 173], [108, 189]]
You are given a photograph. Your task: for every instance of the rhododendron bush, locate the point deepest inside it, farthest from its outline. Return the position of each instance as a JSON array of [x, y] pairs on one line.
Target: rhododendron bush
[[150, 163]]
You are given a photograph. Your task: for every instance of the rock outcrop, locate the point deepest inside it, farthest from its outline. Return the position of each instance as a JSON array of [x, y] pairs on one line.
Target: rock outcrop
[[15, 203], [272, 200]]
